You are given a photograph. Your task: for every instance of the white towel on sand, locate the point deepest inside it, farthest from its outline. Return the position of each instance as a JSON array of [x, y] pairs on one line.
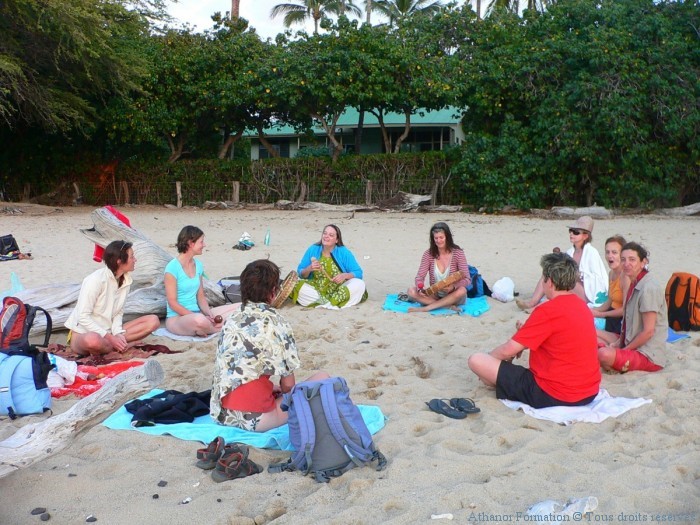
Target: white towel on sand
[[598, 410], [163, 332]]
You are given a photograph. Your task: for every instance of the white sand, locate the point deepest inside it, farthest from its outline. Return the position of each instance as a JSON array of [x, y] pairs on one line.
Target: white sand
[[645, 462]]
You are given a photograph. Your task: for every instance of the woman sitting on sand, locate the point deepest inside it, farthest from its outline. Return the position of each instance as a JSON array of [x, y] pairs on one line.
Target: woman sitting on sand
[[188, 312], [256, 343], [642, 341], [95, 323], [330, 275], [441, 260], [594, 278], [618, 283]]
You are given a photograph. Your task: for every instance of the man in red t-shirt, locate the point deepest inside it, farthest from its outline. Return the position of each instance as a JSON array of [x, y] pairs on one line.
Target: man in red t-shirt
[[561, 336]]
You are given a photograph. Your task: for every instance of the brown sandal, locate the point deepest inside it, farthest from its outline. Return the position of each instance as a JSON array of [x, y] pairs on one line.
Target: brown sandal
[[233, 464]]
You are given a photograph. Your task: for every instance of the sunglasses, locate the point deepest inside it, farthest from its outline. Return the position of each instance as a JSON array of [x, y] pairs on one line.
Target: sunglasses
[[574, 231]]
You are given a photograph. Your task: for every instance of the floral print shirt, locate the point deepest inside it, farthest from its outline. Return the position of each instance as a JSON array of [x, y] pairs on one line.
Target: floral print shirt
[[255, 341]]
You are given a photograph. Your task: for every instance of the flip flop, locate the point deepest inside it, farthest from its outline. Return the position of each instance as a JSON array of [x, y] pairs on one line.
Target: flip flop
[[465, 405], [403, 297], [440, 407]]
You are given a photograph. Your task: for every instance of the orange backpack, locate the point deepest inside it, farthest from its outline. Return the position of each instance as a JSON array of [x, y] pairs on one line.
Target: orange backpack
[[683, 299]]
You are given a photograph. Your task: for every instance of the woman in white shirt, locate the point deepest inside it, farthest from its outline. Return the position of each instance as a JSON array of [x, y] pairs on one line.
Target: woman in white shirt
[[96, 321]]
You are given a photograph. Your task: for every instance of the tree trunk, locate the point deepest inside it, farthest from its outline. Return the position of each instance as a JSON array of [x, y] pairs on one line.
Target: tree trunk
[[226, 146], [235, 9], [406, 131], [175, 149], [385, 134], [368, 7], [37, 441], [330, 132], [360, 125], [261, 136]]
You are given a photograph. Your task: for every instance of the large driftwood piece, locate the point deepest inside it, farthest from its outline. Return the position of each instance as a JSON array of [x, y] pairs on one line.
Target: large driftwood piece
[[597, 212], [691, 209], [38, 441], [147, 294]]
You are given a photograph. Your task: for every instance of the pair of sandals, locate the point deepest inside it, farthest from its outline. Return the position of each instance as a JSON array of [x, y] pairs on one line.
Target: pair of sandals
[[455, 408], [226, 461]]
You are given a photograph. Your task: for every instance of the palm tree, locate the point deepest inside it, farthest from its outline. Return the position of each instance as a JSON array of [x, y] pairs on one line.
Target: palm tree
[[235, 9], [398, 10], [315, 9], [514, 5]]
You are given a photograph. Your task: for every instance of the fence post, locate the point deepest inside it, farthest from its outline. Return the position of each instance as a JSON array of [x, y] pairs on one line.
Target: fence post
[[178, 189], [433, 194], [236, 195], [368, 193]]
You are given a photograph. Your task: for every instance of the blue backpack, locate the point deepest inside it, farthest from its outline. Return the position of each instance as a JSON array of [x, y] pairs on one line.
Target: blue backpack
[[23, 368], [327, 431], [478, 286]]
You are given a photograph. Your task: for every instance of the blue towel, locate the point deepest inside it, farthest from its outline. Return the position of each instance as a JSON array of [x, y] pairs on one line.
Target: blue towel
[[205, 429], [674, 336], [474, 307]]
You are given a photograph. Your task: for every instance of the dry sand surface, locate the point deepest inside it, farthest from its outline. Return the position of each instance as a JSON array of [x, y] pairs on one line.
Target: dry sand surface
[[484, 469]]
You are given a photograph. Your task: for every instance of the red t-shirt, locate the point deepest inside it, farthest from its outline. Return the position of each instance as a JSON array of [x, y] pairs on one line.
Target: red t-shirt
[[254, 396], [563, 347]]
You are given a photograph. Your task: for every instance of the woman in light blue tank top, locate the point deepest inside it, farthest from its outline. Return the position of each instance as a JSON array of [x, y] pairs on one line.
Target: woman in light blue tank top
[[188, 312]]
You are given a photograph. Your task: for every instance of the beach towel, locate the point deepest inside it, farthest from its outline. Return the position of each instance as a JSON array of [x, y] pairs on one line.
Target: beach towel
[[141, 351], [205, 429], [674, 336], [163, 332], [598, 410], [84, 387], [474, 307]]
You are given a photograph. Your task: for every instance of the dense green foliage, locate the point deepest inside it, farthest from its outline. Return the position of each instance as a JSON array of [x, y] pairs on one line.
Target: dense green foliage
[[571, 102]]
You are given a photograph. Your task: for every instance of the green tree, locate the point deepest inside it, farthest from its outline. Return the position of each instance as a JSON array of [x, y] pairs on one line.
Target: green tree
[[398, 11], [60, 61], [298, 13]]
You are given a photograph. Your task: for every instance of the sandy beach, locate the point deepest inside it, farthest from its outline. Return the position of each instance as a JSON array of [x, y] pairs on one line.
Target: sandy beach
[[488, 468]]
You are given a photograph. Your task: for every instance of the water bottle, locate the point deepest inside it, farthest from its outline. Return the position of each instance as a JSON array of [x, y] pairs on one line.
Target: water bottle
[[267, 237]]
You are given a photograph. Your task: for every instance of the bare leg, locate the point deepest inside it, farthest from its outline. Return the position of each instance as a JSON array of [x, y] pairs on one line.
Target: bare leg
[[537, 296], [90, 343], [607, 337], [226, 310], [191, 324], [278, 417], [606, 356], [453, 299], [486, 367], [141, 327]]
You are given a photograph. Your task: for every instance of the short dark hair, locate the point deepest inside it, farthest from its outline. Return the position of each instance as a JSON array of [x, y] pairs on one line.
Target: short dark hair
[[187, 234], [259, 280], [642, 252], [115, 252], [449, 242], [337, 233], [561, 269]]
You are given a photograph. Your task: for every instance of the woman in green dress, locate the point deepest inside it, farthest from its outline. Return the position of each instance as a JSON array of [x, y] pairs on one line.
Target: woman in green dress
[[329, 274]]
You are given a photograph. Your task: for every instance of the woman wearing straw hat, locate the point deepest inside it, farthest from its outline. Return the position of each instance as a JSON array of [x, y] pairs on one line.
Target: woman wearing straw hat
[[593, 286]]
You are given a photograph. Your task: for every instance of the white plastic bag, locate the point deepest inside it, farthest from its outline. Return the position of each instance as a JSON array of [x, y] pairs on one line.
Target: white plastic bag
[[503, 290]]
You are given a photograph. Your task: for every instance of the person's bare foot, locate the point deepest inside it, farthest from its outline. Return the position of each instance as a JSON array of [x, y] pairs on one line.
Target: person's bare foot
[[523, 305]]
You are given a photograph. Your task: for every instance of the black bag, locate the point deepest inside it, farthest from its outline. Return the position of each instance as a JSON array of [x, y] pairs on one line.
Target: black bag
[[8, 244]]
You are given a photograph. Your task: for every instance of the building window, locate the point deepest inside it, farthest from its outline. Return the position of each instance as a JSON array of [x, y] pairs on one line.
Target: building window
[[282, 148]]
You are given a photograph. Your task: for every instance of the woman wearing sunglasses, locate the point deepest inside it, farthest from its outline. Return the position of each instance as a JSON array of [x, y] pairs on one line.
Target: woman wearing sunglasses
[[95, 323], [593, 286]]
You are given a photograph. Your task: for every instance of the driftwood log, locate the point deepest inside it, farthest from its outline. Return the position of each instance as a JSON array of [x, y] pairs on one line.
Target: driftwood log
[[147, 295], [683, 211], [37, 441]]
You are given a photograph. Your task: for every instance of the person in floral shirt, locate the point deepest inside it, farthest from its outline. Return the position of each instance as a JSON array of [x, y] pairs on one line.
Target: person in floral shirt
[[256, 343]]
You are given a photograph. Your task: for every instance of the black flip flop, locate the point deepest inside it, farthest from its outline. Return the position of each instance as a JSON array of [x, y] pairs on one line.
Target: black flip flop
[[440, 407], [464, 404]]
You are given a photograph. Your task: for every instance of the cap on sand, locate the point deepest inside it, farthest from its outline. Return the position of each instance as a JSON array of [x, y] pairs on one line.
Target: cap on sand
[[583, 223]]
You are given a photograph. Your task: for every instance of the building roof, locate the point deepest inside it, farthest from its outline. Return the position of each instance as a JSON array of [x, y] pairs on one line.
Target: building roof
[[349, 118]]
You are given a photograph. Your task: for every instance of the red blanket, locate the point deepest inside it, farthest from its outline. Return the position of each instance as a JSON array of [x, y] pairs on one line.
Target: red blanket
[[98, 375]]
